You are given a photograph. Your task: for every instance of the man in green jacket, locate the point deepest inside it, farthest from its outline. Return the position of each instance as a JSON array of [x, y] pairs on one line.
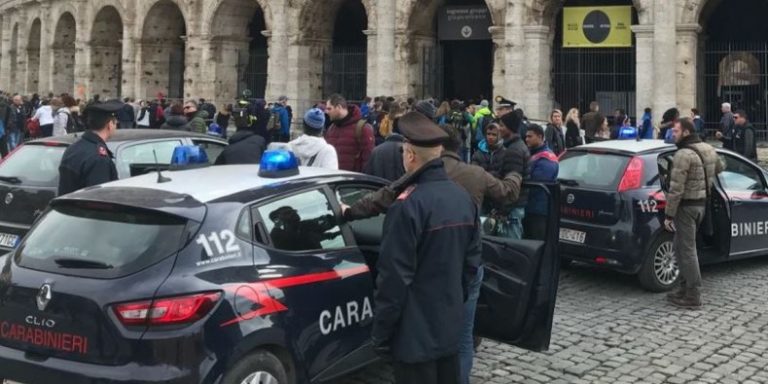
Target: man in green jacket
[[196, 118]]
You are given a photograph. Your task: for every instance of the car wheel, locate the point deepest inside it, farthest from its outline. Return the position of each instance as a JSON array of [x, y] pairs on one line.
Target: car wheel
[[260, 367], [659, 272]]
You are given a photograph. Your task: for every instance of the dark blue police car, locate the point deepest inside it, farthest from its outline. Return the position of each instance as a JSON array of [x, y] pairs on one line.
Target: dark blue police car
[[612, 210], [232, 274]]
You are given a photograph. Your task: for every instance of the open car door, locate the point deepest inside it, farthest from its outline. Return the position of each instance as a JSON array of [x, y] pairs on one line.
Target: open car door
[[517, 299], [720, 239]]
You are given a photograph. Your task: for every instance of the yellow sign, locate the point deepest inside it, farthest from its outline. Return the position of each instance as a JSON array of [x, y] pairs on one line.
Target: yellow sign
[[597, 27]]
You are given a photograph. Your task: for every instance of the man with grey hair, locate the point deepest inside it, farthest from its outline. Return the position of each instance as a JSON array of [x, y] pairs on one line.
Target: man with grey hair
[[725, 134]]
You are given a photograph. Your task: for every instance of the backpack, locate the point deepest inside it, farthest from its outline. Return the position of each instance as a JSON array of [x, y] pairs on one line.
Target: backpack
[[358, 135], [33, 128], [70, 121], [273, 124]]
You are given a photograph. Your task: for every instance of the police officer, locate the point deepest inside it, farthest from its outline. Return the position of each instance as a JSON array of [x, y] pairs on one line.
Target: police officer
[[503, 106], [429, 255], [88, 161]]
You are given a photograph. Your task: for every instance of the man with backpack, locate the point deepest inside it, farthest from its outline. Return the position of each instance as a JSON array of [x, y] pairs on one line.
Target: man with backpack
[[279, 125], [350, 134]]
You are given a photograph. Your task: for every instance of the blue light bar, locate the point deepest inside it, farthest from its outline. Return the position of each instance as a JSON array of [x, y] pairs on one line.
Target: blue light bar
[[188, 156], [627, 133], [278, 163], [215, 130]]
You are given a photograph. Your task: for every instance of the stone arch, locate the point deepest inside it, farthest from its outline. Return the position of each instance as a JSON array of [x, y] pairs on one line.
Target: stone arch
[[150, 9], [163, 44], [317, 18], [544, 12], [14, 56], [64, 54], [33, 56], [106, 53], [214, 9], [241, 58]]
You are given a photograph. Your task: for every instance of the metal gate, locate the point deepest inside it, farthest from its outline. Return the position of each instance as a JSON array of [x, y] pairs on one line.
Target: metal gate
[[345, 71], [252, 72], [737, 73], [605, 75], [432, 73], [176, 73]]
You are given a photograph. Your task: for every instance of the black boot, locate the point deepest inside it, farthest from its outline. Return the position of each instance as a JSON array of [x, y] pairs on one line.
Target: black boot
[[690, 300]]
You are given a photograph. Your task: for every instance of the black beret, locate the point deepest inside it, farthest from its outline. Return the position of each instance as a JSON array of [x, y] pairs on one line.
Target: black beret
[[504, 103], [420, 131]]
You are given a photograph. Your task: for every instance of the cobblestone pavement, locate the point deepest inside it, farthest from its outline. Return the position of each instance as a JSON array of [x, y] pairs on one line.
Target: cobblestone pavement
[[608, 330]]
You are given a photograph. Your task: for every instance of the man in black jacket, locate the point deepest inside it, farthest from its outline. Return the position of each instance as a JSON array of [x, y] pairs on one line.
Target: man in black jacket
[[744, 136], [429, 257], [555, 134], [514, 159], [245, 147]]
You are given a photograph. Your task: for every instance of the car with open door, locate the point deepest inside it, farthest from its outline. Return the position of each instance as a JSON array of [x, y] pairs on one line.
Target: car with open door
[[29, 176], [612, 210], [248, 277]]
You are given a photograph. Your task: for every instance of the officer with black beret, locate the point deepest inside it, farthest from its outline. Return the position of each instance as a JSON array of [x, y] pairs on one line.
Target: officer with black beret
[[429, 254], [88, 161]]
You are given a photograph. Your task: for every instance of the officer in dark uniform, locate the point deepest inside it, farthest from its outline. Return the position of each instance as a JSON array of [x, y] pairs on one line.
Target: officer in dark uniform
[[503, 106], [88, 161], [429, 256]]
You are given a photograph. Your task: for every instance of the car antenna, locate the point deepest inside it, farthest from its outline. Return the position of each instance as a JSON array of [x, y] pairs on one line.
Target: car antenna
[[160, 177]]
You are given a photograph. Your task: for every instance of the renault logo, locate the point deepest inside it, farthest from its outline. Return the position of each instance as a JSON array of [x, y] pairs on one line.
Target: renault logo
[[8, 198], [570, 198], [44, 296]]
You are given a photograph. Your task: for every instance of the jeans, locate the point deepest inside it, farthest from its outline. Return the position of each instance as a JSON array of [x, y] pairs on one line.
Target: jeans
[[13, 139], [467, 345]]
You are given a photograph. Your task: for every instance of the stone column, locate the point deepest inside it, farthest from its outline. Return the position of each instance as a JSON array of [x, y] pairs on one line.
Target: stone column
[[5, 50], [701, 71], [385, 50], [130, 48], [537, 84], [687, 59], [664, 57], [499, 67], [47, 31], [373, 83], [83, 68], [225, 62], [644, 79], [196, 48], [305, 72]]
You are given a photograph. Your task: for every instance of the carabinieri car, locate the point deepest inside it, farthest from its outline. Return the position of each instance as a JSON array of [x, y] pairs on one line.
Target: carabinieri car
[[612, 209], [230, 274]]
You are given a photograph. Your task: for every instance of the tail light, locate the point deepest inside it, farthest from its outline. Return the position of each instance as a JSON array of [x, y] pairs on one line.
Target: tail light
[[633, 175], [167, 311]]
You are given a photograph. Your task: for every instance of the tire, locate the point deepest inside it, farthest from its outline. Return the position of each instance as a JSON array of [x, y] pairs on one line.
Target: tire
[[659, 272], [260, 367]]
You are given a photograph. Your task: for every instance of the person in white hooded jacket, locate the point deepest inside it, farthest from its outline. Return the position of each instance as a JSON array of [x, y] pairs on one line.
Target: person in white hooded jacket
[[311, 148]]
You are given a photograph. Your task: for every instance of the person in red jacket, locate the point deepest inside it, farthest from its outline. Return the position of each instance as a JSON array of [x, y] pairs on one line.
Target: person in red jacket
[[350, 134]]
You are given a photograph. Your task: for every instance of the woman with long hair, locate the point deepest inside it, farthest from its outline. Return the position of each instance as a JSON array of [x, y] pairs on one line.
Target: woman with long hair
[[441, 116], [574, 135]]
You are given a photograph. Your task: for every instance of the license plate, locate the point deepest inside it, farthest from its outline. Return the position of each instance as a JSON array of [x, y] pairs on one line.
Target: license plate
[[571, 235], [8, 240]]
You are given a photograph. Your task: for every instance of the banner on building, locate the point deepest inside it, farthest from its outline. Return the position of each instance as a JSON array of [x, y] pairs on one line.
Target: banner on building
[[464, 23], [597, 27]]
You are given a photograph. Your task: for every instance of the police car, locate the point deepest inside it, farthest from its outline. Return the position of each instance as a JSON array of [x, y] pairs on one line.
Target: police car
[[612, 210], [29, 177], [232, 274]]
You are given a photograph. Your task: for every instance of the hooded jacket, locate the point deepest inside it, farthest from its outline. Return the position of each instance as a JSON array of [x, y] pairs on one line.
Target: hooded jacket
[[489, 158], [543, 167], [176, 122], [353, 153], [687, 179], [197, 122], [308, 147], [245, 147], [386, 160]]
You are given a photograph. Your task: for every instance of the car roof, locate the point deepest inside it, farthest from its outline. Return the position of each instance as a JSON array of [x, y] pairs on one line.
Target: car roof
[[627, 146], [211, 183], [128, 135]]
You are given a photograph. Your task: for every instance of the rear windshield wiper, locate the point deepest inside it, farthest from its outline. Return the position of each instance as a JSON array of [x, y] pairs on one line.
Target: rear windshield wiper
[[81, 264], [10, 179], [569, 182]]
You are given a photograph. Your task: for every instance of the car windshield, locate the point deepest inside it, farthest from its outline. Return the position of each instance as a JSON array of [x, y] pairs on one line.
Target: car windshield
[[101, 242], [35, 165], [592, 170]]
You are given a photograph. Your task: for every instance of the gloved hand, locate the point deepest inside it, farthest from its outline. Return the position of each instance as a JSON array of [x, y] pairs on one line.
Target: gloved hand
[[669, 224]]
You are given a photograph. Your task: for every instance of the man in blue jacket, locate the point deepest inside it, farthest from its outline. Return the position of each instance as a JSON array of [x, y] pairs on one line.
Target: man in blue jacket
[[542, 167], [280, 109]]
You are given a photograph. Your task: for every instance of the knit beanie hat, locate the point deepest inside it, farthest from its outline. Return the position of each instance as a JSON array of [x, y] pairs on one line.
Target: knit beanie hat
[[426, 108], [314, 119], [512, 121]]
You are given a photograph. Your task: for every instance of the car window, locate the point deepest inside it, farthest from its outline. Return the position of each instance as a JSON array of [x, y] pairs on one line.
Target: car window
[[581, 166], [36, 165], [144, 153], [212, 149], [738, 175], [302, 222]]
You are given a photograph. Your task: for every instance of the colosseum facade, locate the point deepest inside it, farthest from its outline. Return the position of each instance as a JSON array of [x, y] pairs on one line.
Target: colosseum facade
[[309, 48]]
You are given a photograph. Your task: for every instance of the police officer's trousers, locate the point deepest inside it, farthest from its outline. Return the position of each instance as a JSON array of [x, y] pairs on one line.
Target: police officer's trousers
[[441, 371], [687, 223]]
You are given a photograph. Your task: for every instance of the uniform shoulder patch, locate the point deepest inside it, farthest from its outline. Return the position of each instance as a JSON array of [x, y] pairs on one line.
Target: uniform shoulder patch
[[102, 151], [404, 195]]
